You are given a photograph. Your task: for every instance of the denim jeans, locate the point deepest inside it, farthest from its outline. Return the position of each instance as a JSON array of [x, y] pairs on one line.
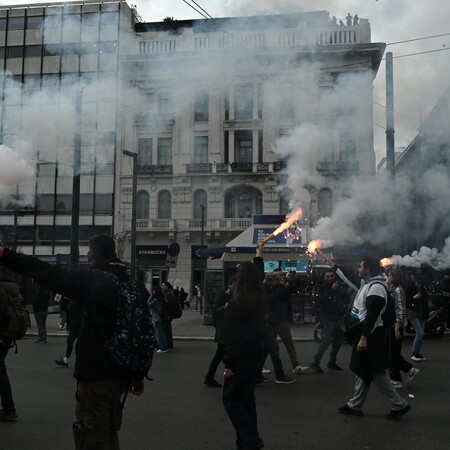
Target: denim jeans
[[332, 335], [5, 385], [160, 336], [398, 363], [418, 325], [41, 322], [272, 348]]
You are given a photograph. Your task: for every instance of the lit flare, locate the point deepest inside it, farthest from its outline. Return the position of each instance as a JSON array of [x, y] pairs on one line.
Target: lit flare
[[314, 246], [293, 218], [386, 262]]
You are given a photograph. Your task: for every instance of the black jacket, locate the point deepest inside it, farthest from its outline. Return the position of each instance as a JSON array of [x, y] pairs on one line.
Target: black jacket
[[330, 302], [218, 312], [242, 336], [98, 298]]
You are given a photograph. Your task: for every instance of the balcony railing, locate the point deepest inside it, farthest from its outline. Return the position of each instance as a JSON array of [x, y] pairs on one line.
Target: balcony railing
[[151, 170], [199, 168], [151, 118], [338, 166], [235, 224]]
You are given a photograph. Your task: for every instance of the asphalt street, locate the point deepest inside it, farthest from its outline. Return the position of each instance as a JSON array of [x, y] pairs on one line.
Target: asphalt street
[[178, 413]]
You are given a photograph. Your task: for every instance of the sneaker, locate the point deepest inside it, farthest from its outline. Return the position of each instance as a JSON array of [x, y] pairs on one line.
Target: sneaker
[[397, 384], [263, 379], [397, 413], [6, 416], [347, 410], [302, 369], [285, 380], [334, 366], [211, 382], [161, 351], [417, 357], [316, 368], [411, 374], [265, 371], [60, 362]]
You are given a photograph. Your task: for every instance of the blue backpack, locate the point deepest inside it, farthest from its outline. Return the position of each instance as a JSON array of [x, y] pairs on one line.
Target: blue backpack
[[133, 343]]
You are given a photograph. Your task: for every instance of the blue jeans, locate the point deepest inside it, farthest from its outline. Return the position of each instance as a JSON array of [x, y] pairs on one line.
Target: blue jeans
[[418, 326], [5, 385], [160, 336], [272, 348]]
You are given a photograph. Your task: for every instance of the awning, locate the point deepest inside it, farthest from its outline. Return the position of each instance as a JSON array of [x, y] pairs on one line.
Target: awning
[[243, 246]]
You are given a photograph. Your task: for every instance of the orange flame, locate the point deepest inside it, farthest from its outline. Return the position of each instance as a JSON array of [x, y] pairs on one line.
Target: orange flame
[[315, 246], [293, 218], [386, 262]]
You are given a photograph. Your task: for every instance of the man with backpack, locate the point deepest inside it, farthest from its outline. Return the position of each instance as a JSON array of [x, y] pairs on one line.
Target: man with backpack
[[103, 292], [8, 292], [370, 352]]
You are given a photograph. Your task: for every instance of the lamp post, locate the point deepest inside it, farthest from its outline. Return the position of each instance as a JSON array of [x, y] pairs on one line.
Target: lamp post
[[75, 217], [133, 212], [202, 271]]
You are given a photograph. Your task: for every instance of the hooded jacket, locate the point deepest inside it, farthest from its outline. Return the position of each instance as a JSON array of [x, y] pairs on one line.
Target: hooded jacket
[[94, 289]]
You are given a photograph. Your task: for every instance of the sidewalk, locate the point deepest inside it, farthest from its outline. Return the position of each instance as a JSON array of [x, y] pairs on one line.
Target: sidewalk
[[189, 327]]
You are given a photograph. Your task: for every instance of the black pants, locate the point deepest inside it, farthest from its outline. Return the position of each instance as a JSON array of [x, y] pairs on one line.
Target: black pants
[[217, 359], [398, 363], [239, 402], [167, 324], [71, 338], [5, 385]]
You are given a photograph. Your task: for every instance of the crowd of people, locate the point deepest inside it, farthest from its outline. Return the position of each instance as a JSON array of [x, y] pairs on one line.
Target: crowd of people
[[249, 316]]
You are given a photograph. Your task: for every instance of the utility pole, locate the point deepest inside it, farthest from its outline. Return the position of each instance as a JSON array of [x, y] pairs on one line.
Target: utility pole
[[133, 212], [390, 131], [202, 271], [75, 218]]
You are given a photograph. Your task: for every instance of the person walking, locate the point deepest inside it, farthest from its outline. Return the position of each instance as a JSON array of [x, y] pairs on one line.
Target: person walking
[[100, 383], [243, 326], [8, 289], [398, 363], [198, 298], [73, 322], [40, 311], [172, 304], [417, 312], [370, 352], [331, 303], [158, 307], [219, 307]]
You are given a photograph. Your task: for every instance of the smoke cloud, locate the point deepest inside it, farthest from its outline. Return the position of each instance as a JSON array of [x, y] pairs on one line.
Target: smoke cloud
[[13, 169]]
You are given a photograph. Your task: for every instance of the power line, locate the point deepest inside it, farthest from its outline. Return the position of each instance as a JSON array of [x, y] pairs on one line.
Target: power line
[[206, 12], [379, 104], [195, 9], [418, 39], [422, 53]]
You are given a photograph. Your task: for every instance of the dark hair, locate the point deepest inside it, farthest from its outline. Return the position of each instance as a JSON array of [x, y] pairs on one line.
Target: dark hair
[[398, 278], [168, 285], [232, 279], [102, 247], [249, 291], [372, 265], [158, 292]]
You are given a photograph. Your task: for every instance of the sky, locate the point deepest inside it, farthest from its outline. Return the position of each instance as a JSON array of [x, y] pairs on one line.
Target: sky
[[419, 80]]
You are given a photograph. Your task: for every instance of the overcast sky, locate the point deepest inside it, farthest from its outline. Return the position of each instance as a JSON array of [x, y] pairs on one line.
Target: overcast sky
[[419, 80]]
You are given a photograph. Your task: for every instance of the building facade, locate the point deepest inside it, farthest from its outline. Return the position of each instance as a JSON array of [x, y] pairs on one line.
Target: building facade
[[205, 104]]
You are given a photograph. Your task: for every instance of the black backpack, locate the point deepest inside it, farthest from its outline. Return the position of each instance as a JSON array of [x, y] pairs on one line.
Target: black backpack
[[388, 316], [15, 320], [133, 343]]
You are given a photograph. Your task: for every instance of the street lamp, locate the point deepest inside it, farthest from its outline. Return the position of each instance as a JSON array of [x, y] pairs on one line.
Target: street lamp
[[133, 212], [202, 270]]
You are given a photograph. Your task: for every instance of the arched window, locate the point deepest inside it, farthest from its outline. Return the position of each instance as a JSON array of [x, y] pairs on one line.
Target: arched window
[[164, 205], [229, 205], [200, 200], [325, 203], [243, 202], [142, 205]]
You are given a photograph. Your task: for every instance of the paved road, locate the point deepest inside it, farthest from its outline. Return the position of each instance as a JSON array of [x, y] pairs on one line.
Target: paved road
[[178, 413]]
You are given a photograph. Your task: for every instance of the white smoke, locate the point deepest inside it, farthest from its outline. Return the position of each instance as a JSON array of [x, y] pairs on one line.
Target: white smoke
[[13, 169], [438, 260]]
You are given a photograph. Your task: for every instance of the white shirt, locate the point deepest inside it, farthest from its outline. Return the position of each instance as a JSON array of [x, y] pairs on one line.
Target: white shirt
[[368, 288]]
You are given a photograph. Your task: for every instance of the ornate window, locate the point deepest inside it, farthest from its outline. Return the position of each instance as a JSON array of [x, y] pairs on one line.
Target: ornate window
[[142, 205]]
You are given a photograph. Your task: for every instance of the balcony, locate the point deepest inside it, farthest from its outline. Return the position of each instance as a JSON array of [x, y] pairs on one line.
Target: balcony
[[338, 166], [199, 168], [160, 120], [185, 225], [154, 170]]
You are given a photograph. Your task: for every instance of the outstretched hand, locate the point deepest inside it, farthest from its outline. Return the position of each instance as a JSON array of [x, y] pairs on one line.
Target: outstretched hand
[[137, 387]]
